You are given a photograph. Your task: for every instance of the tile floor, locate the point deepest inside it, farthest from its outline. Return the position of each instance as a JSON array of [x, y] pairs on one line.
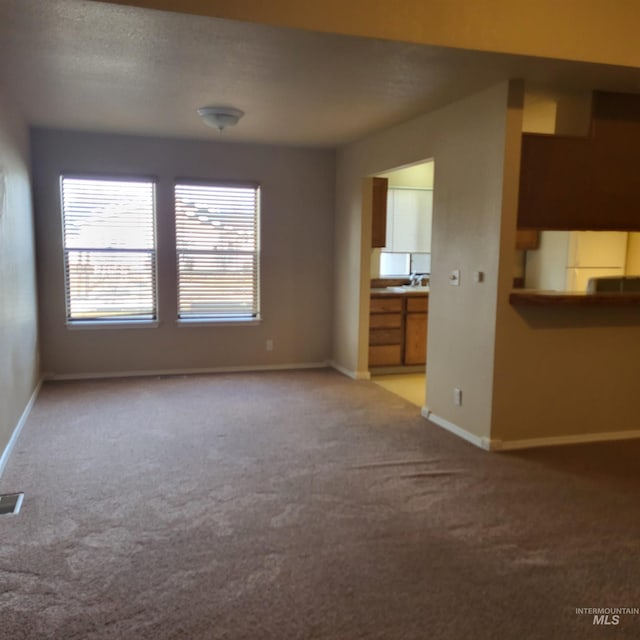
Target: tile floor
[[410, 386]]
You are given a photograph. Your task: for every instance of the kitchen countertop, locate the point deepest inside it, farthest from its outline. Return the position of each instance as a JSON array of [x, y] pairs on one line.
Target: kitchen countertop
[[535, 297], [393, 291]]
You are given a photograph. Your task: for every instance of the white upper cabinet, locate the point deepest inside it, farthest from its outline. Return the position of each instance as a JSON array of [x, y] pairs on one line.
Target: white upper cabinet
[[409, 213]]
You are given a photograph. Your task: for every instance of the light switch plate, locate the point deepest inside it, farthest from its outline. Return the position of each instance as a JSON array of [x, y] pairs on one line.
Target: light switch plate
[[454, 278]]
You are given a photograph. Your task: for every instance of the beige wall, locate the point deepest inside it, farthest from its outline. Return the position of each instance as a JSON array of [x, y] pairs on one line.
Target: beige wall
[[417, 176], [589, 30], [560, 372], [19, 368], [297, 231], [466, 140], [565, 372]]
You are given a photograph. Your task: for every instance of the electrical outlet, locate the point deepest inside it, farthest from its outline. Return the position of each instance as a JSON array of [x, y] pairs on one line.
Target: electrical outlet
[[269, 344], [457, 397]]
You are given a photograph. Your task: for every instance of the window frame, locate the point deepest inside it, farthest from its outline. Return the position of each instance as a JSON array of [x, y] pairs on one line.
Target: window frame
[[124, 321], [207, 320]]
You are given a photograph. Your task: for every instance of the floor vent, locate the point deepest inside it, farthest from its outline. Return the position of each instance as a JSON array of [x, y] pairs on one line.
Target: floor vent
[[10, 503]]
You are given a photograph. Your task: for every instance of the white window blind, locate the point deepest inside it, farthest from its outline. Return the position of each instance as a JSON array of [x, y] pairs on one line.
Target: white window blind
[[109, 249], [217, 243]]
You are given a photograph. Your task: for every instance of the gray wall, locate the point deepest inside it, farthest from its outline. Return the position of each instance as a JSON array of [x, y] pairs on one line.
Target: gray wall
[[19, 368], [297, 198]]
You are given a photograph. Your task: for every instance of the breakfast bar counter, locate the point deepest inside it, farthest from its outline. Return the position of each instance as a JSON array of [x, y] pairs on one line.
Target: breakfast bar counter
[[538, 298]]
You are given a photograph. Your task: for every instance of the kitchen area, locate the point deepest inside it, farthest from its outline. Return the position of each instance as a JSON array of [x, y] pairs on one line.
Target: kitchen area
[[581, 261], [498, 353], [577, 203], [402, 204]]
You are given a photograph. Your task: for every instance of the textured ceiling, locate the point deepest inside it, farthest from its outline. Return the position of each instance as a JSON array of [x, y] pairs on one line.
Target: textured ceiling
[[96, 66]]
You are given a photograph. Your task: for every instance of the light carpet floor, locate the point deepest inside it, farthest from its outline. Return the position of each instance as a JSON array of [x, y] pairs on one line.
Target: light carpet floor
[[303, 506]]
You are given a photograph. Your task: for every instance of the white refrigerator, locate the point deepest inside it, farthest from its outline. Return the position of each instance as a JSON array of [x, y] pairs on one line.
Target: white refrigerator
[[594, 254]]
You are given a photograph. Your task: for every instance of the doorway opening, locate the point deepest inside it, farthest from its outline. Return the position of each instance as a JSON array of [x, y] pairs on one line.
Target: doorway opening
[[400, 270]]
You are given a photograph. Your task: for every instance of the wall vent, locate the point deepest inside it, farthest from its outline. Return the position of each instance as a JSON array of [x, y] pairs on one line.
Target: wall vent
[[10, 503]]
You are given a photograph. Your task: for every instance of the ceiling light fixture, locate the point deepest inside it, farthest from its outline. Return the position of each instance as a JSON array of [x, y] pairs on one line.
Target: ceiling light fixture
[[220, 117]]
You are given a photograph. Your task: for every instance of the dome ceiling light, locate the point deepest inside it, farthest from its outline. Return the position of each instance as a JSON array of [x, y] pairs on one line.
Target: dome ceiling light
[[220, 117]]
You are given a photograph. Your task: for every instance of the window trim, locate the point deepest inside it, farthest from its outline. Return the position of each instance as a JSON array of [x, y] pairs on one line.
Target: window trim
[[75, 325], [125, 321], [219, 322]]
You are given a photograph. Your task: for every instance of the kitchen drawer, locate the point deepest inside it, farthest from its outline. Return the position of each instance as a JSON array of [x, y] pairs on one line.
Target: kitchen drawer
[[385, 355], [385, 336], [385, 320], [417, 304], [388, 303]]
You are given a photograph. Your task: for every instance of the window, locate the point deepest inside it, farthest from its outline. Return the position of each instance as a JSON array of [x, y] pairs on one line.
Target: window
[[217, 243], [394, 264], [403, 264], [109, 249]]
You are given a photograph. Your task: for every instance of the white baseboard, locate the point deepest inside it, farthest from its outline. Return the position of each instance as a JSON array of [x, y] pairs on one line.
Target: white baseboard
[[356, 375], [490, 444], [183, 372], [4, 458], [482, 443], [554, 441]]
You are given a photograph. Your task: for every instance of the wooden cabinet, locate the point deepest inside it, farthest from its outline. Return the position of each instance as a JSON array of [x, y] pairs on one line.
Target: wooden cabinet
[[585, 183], [415, 335], [527, 239], [386, 331], [398, 330], [553, 181], [378, 212]]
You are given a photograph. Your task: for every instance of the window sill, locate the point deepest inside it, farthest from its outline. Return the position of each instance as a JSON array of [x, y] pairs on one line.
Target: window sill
[[112, 324], [218, 322]]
